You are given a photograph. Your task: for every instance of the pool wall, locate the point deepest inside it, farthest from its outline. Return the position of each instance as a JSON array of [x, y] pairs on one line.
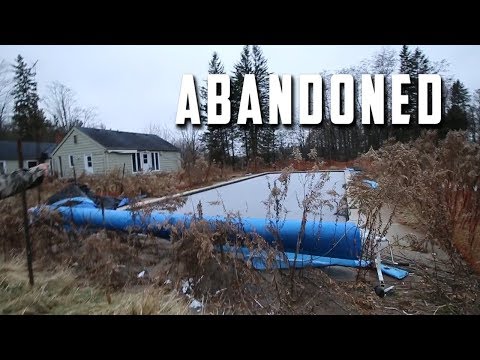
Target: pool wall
[[329, 239], [336, 239]]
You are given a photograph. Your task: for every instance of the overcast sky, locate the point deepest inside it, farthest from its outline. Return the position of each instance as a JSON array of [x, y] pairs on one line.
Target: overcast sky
[[134, 86]]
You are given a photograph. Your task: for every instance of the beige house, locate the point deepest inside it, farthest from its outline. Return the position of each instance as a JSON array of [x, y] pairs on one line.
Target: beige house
[[33, 154], [98, 151]]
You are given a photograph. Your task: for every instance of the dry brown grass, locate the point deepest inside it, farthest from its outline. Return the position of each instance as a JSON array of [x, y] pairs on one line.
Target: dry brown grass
[[60, 292], [437, 182], [102, 267]]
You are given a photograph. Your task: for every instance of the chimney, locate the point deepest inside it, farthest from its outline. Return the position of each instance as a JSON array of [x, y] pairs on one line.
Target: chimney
[[58, 137]]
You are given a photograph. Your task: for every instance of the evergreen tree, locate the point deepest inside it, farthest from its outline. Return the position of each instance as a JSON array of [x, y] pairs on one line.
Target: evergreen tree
[[257, 140], [412, 63], [215, 137], [28, 120], [262, 137], [457, 115], [475, 116], [241, 68]]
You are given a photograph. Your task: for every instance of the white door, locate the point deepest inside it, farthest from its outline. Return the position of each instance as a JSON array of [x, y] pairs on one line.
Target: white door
[[88, 164], [146, 162]]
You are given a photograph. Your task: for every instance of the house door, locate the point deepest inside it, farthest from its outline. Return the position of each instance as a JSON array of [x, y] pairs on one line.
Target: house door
[[146, 166], [88, 164]]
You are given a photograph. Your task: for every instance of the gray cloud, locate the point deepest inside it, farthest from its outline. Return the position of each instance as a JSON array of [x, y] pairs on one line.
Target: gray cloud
[[133, 86]]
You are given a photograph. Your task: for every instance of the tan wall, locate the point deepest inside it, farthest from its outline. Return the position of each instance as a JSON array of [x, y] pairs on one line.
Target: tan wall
[[84, 146], [102, 160], [170, 161], [12, 165]]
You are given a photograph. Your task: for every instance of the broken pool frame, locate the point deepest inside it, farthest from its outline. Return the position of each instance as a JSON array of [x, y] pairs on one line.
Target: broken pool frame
[[323, 244]]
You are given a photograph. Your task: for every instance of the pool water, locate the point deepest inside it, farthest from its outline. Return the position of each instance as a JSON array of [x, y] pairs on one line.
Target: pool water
[[247, 197]]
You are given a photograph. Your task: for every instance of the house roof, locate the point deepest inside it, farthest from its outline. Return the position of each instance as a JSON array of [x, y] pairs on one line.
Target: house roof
[[31, 150], [121, 140]]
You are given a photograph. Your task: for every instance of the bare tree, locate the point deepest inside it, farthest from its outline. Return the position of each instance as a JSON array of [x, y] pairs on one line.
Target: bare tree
[[187, 139], [6, 82], [162, 130], [189, 144], [61, 103], [475, 116]]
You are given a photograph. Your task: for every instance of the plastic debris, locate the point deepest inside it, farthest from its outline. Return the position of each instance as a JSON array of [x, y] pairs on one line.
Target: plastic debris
[[196, 305], [187, 286]]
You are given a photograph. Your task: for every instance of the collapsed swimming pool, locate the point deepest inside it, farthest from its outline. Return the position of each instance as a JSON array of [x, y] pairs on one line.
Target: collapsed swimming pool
[[249, 197], [324, 237]]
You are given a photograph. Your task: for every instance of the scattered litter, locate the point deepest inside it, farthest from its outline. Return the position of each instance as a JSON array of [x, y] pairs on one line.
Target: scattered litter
[[168, 281], [258, 303], [219, 291], [196, 305], [187, 286], [371, 183], [141, 274]]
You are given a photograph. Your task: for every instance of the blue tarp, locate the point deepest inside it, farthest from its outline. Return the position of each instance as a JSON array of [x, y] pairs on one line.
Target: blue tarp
[[287, 259], [341, 240], [324, 244]]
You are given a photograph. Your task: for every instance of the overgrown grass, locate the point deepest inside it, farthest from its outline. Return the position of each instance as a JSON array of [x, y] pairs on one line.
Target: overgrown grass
[[438, 183], [60, 292], [103, 265]]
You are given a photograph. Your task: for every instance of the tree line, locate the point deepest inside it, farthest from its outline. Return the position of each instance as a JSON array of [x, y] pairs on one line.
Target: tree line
[[21, 115], [243, 145]]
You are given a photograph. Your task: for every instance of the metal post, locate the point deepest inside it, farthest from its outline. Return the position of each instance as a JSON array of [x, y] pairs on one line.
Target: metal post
[[25, 217]]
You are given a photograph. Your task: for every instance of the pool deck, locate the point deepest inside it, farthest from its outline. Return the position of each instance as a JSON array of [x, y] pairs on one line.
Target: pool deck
[[151, 201]]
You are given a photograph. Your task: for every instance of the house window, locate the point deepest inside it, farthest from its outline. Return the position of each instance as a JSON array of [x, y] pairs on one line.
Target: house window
[[136, 164], [139, 164], [31, 163], [60, 166], [3, 167], [74, 139], [89, 161], [145, 158], [70, 161], [154, 158]]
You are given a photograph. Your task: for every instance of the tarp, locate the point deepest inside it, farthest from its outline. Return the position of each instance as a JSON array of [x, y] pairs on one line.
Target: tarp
[[287, 260], [341, 240]]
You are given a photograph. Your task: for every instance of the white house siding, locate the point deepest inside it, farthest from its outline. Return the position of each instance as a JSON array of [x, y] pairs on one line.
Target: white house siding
[[12, 165], [116, 161], [84, 146], [103, 161], [170, 161]]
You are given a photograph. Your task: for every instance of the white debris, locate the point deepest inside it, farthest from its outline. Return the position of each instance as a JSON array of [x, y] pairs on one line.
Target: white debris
[[168, 281], [186, 286], [219, 291], [141, 274], [196, 305]]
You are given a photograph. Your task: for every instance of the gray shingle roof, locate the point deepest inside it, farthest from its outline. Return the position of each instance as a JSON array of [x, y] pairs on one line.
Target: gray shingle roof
[[31, 150], [120, 140]]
